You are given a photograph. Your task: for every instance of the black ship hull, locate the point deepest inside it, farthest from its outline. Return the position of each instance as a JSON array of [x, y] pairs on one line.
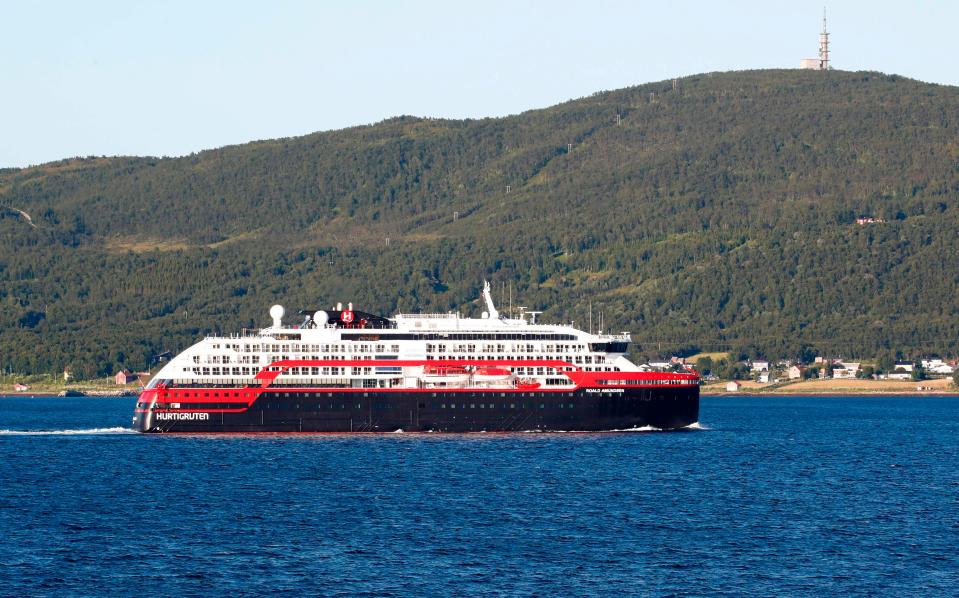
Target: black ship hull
[[302, 410]]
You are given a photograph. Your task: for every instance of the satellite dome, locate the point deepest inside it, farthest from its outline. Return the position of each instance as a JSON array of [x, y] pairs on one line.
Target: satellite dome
[[320, 318], [276, 312]]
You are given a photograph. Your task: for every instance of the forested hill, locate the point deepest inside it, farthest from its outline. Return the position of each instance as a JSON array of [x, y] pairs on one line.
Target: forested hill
[[715, 212]]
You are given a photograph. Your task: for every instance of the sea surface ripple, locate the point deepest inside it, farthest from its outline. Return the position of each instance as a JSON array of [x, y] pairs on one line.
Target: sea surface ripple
[[775, 496]]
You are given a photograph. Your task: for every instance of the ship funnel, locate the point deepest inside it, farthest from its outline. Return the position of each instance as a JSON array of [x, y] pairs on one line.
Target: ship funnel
[[349, 306], [276, 312], [489, 301]]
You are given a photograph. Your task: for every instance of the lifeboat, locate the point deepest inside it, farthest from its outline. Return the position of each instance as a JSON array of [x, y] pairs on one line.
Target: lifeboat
[[492, 374]]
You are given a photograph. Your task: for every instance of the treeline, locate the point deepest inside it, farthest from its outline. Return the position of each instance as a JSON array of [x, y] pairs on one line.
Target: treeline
[[714, 212]]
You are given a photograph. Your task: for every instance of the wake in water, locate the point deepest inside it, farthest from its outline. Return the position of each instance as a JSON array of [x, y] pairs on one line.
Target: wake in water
[[84, 431]]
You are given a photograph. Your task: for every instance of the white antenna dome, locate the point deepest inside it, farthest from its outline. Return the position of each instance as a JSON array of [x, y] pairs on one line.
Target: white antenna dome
[[276, 312], [485, 315], [320, 318]]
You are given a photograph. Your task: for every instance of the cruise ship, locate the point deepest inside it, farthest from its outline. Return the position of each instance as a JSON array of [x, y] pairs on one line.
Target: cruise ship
[[348, 371]]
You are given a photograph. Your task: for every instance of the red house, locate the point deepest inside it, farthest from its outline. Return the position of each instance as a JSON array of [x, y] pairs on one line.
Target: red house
[[124, 377]]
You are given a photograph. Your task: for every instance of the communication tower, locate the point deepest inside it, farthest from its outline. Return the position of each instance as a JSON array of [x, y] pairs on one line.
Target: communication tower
[[823, 44], [821, 63]]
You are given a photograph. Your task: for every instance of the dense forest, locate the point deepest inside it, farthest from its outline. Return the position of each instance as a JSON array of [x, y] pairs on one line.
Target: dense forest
[[712, 212]]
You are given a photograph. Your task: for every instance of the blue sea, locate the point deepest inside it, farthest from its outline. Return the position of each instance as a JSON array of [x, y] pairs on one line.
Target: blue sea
[[774, 496]]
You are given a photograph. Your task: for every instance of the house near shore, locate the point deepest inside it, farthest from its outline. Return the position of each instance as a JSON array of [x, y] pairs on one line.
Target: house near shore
[[759, 366], [124, 377], [938, 367], [796, 372], [733, 386], [18, 387], [845, 370]]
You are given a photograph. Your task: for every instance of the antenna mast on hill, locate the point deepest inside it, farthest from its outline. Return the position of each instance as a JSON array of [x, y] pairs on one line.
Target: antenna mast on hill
[[824, 44], [821, 63]]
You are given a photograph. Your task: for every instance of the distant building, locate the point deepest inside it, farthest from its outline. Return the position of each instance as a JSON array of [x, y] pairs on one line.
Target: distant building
[[862, 220], [821, 63], [845, 370], [123, 377], [937, 367], [18, 387], [904, 366], [67, 375], [733, 386], [764, 377], [795, 372], [759, 366]]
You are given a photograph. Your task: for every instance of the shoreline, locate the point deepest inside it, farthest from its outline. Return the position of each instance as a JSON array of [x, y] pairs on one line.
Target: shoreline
[[826, 393], [74, 394], [836, 393]]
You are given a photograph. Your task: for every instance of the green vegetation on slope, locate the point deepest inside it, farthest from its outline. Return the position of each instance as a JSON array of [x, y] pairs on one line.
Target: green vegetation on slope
[[713, 213]]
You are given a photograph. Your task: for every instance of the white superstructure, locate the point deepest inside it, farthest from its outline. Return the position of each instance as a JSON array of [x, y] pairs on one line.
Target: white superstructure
[[352, 336]]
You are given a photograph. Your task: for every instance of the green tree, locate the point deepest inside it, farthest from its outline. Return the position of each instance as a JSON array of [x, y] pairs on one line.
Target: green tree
[[918, 373], [704, 365], [885, 364]]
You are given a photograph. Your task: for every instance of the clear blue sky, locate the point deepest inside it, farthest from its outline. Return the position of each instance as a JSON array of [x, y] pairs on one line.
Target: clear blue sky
[[169, 78]]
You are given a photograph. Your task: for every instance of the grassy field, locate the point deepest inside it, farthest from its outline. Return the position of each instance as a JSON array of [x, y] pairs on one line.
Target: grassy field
[[840, 386], [48, 384], [716, 357]]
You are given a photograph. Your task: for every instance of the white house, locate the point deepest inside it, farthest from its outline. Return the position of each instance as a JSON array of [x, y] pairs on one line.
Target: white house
[[759, 366], [732, 386], [937, 366], [903, 365], [795, 372], [845, 370]]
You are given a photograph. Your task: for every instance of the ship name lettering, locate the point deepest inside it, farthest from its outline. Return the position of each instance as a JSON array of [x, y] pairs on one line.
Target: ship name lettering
[[183, 416]]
